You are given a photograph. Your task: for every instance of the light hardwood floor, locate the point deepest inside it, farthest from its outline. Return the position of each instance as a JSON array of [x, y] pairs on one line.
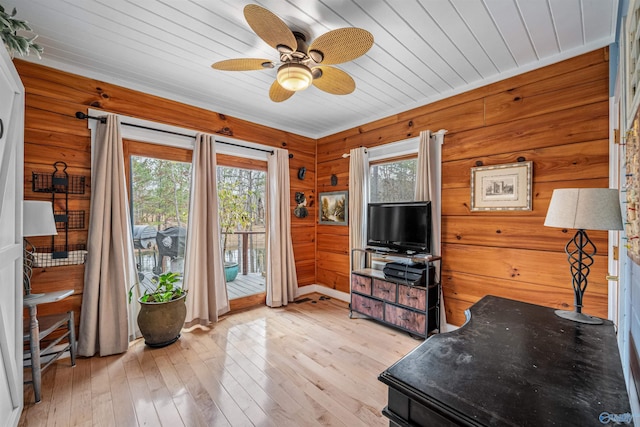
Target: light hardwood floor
[[306, 364]]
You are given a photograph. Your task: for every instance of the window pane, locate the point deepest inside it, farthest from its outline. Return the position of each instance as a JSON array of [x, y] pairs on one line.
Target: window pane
[[393, 181], [160, 210], [241, 194]]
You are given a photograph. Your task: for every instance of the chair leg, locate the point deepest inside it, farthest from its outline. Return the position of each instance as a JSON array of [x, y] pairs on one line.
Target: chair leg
[[34, 348], [72, 338]]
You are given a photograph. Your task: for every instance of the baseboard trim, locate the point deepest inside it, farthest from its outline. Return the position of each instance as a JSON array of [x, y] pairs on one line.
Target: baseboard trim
[[324, 290]]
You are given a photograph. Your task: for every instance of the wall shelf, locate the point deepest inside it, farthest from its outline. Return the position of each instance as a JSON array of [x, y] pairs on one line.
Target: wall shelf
[[59, 183]]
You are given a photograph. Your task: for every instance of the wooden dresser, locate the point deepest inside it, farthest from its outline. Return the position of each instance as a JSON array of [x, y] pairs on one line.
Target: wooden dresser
[[511, 364]]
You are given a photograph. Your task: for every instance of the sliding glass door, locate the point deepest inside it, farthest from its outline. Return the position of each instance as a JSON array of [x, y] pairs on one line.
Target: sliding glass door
[[242, 199], [159, 182]]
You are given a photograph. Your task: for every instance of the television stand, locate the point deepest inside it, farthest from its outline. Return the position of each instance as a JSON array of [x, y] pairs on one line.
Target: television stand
[[397, 302], [381, 250]]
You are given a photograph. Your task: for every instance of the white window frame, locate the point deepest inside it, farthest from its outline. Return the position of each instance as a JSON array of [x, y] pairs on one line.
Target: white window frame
[[406, 147]]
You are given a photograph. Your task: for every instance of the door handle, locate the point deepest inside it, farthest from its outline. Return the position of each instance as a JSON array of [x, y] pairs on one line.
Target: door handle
[[1, 128], [614, 278]]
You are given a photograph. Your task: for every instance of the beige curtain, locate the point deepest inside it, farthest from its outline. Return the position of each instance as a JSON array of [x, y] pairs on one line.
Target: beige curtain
[[358, 201], [422, 168], [204, 264], [282, 281], [428, 187], [110, 265]]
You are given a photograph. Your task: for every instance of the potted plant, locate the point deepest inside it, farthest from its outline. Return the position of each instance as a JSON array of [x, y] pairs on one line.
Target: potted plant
[[233, 217], [9, 27], [162, 310]]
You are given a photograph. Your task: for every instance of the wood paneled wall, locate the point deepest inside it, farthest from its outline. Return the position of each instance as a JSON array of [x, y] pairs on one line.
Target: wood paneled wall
[[52, 133], [555, 116]]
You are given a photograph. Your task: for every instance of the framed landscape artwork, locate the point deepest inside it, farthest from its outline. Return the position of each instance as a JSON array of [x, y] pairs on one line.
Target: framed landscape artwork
[[334, 208], [501, 187]]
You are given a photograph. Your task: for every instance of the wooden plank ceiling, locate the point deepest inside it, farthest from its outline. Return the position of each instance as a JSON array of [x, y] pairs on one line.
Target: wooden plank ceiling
[[424, 50]]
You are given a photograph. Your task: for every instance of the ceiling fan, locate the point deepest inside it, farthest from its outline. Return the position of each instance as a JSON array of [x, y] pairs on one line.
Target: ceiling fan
[[300, 64]]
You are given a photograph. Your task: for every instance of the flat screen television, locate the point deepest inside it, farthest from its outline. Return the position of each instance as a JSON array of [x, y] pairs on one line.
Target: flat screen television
[[402, 227]]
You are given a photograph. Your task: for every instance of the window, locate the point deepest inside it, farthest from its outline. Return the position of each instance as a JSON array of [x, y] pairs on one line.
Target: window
[[393, 181], [241, 196], [159, 200]]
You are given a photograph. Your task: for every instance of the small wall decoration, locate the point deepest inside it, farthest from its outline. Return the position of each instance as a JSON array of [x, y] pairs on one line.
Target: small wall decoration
[[334, 208], [300, 210], [501, 187]]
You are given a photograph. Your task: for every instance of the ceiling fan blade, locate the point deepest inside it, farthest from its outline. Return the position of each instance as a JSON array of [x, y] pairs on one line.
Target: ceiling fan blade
[[242, 64], [269, 27], [334, 81], [341, 45], [278, 94]]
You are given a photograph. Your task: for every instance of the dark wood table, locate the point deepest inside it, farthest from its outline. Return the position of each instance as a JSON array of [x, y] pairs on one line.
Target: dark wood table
[[511, 364]]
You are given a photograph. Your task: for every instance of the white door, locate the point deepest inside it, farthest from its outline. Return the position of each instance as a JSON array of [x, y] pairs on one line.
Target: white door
[[11, 194]]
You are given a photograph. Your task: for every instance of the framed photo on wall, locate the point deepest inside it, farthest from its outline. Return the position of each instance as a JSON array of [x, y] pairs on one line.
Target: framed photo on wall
[[334, 208], [502, 187]]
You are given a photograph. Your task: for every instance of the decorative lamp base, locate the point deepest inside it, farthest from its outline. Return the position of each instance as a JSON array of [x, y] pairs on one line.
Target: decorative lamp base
[[579, 317]]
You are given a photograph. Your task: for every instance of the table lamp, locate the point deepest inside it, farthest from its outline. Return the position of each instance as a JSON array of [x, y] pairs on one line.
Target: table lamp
[[37, 220], [583, 209]]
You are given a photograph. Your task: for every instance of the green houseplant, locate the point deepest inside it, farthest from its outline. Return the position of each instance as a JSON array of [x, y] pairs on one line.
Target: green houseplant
[[162, 310], [233, 217], [9, 27]]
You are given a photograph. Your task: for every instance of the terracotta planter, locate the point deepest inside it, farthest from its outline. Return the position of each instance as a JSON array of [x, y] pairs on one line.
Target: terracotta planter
[[161, 322]]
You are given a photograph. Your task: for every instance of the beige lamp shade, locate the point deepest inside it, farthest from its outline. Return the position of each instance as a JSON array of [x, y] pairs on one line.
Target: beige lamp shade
[[37, 219], [585, 209]]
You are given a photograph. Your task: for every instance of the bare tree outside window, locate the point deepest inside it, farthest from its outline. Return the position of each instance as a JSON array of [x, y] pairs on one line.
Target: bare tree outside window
[[393, 181]]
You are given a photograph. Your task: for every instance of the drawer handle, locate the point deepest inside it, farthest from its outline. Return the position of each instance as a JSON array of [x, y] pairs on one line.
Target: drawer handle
[[406, 319], [411, 296], [366, 306], [384, 290]]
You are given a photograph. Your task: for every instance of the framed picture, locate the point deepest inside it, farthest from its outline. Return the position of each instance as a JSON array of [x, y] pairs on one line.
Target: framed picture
[[334, 208], [501, 187]]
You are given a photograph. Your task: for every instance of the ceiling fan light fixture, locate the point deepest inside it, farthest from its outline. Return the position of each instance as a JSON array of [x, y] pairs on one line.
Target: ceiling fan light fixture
[[294, 77]]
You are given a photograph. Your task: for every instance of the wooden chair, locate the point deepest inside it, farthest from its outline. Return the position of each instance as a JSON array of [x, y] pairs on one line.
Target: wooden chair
[[37, 328]]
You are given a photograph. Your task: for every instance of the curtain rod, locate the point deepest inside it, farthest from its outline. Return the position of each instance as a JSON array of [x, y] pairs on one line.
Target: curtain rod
[[82, 116]]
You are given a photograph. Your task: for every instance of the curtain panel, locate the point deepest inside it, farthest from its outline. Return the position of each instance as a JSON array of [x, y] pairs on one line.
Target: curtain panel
[[105, 323], [358, 201], [281, 280], [428, 188], [204, 276]]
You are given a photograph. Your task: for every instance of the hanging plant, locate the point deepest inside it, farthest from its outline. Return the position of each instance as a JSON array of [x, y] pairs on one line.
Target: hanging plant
[[9, 27]]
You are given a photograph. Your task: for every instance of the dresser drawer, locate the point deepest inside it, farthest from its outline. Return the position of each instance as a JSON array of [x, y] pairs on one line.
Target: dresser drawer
[[407, 319], [412, 296], [369, 306], [361, 284], [385, 290]]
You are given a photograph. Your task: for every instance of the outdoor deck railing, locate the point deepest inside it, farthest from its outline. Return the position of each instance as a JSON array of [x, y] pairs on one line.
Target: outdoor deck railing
[[250, 250]]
